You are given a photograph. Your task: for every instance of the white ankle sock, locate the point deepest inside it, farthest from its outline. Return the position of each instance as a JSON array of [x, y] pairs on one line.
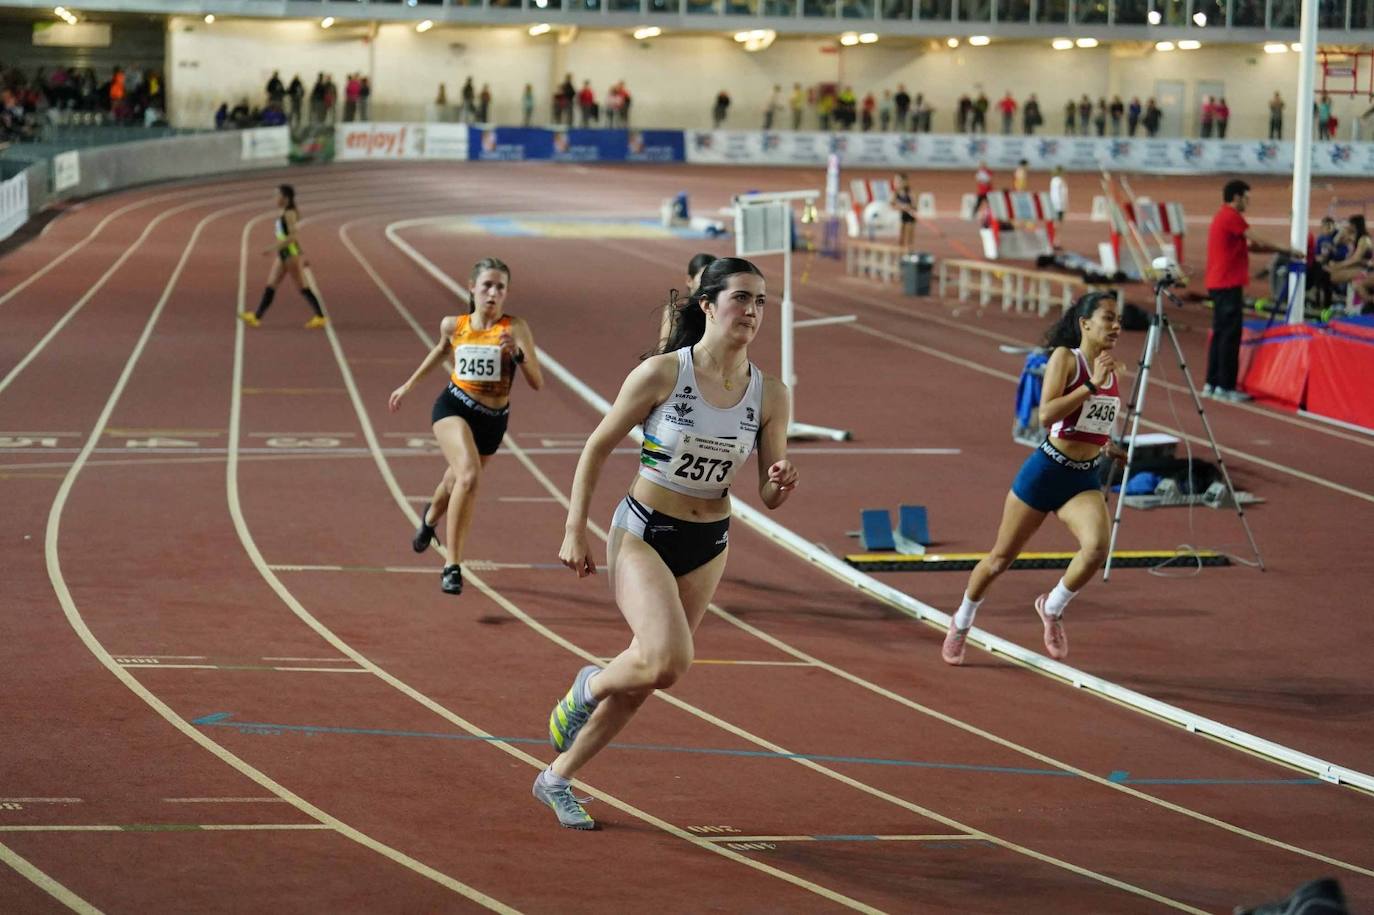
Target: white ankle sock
[[963, 617], [553, 779], [1058, 600], [587, 699]]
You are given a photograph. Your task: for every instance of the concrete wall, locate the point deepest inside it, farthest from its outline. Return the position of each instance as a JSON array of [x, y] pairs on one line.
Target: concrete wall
[[674, 79]]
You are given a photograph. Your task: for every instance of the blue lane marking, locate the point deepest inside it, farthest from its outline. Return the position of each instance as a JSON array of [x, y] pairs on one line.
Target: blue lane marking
[[222, 720]]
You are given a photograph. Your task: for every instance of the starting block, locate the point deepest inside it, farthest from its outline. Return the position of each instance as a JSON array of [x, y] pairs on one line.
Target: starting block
[[910, 538], [963, 562]]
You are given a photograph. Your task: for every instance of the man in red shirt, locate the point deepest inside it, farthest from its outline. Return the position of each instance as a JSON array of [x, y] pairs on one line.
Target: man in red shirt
[[1229, 243]]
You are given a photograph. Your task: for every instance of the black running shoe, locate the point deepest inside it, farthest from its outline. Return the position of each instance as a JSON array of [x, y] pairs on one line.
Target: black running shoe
[[424, 534], [452, 580]]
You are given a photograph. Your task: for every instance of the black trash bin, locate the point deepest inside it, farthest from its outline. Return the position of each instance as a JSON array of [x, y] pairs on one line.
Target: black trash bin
[[916, 270]]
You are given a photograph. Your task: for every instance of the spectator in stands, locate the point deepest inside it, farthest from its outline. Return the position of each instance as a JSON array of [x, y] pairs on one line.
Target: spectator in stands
[[484, 104], [1359, 254], [1324, 118], [331, 99], [1222, 112], [771, 107], [1008, 108], [276, 89], [921, 113], [563, 107], [469, 99], [116, 94], [1133, 116], [352, 86], [885, 112], [620, 96], [586, 100], [1229, 243], [1070, 117], [1209, 114], [221, 115], [825, 105], [1030, 115], [901, 105], [1276, 116], [870, 104], [1150, 120], [847, 107], [1116, 110], [317, 100], [980, 114], [527, 105], [272, 115], [721, 109], [295, 94], [15, 123], [1085, 114], [1100, 117], [797, 104], [963, 115]]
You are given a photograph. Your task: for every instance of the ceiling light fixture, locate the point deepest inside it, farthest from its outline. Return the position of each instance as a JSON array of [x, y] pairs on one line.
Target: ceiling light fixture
[[542, 28], [1086, 42], [648, 31], [979, 41], [424, 26], [1164, 45], [1062, 44]]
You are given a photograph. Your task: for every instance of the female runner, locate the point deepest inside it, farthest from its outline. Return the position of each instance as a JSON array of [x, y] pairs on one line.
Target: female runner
[[289, 263], [704, 407], [471, 413], [1079, 401]]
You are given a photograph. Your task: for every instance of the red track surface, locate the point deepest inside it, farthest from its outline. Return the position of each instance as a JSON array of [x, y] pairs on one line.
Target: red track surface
[[388, 791]]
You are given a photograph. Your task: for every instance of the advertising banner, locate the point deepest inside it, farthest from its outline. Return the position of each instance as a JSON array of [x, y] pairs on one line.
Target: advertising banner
[[66, 170], [265, 143]]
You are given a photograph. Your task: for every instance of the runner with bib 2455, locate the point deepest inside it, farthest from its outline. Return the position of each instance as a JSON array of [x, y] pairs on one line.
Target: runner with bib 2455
[[1080, 401]]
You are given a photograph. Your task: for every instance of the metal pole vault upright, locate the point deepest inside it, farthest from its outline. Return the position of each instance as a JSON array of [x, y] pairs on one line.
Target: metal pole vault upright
[[1302, 160], [763, 225]]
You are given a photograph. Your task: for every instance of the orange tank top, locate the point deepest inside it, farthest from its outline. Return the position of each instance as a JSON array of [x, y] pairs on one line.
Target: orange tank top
[[478, 366]]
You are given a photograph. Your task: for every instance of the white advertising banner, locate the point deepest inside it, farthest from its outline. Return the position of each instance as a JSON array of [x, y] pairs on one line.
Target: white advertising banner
[[359, 140], [265, 143], [1075, 154], [14, 204], [66, 170]]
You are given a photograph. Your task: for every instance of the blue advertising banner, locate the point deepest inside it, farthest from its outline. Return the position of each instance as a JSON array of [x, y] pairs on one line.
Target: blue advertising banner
[[515, 144]]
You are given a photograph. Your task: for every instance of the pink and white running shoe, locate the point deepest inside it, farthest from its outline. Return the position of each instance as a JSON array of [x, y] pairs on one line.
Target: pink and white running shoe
[[1056, 639], [953, 650]]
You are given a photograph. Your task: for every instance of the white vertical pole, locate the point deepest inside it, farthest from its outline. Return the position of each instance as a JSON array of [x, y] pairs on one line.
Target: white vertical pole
[[1302, 156], [789, 376]]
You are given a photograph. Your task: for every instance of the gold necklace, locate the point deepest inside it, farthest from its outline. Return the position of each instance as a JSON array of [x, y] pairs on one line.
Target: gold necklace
[[724, 378]]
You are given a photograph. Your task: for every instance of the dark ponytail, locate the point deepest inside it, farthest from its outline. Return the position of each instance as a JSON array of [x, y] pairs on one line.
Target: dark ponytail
[[687, 317], [289, 193], [1065, 331]]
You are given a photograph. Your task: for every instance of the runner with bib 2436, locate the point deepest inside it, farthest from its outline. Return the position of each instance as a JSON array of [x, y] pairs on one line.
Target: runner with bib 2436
[[1080, 401]]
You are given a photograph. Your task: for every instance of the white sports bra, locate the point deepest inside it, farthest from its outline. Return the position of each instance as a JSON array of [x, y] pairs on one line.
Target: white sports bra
[[693, 448]]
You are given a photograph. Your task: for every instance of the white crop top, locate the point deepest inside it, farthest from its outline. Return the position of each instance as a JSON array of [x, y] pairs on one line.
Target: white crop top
[[694, 448]]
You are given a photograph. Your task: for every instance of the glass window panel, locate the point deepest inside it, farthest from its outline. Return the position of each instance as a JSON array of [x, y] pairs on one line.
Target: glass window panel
[[1247, 14], [703, 6], [619, 6], [857, 9], [975, 10], [1052, 11], [897, 9], [665, 6], [1214, 10], [935, 9], [741, 7], [779, 7], [823, 9], [1090, 11], [1013, 10], [1131, 12], [1362, 14], [1284, 14], [1331, 14]]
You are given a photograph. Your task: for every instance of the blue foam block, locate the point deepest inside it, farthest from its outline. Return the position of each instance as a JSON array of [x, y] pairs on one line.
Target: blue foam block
[[876, 529], [912, 523]]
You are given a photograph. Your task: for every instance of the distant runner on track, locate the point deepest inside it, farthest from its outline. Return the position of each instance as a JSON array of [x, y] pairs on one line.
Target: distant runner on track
[[289, 262]]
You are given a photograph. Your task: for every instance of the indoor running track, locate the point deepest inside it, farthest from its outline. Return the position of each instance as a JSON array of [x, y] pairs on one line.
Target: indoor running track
[[231, 685]]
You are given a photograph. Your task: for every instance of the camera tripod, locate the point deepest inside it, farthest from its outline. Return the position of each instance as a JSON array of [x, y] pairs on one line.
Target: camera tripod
[[1159, 322]]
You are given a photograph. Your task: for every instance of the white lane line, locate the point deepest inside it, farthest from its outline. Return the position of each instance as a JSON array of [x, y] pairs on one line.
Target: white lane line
[[40, 800], [231, 483], [45, 883], [169, 827], [599, 404], [701, 714], [224, 800], [78, 623]]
